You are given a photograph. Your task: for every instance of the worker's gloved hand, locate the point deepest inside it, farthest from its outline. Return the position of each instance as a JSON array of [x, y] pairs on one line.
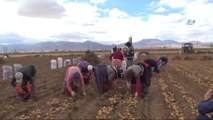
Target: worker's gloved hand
[[73, 93]]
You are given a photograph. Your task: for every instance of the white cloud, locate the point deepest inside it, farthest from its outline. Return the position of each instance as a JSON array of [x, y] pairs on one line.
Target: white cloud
[[160, 9], [11, 0], [174, 4], [41, 8], [83, 21], [80, 12], [200, 11], [117, 13], [98, 1], [8, 16], [152, 3], [173, 26], [43, 28]]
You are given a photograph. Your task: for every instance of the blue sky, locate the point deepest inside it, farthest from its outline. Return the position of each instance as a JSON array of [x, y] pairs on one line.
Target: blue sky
[[109, 21]]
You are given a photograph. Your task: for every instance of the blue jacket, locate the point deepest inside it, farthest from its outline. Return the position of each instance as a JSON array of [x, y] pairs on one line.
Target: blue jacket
[[204, 107]]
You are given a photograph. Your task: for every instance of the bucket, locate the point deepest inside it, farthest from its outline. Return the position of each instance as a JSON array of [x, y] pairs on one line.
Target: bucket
[[67, 62], [53, 64], [60, 62], [17, 67], [7, 72]]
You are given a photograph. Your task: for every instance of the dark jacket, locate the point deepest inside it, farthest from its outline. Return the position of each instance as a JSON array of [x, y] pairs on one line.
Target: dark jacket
[[147, 74], [204, 107], [28, 74], [152, 63], [164, 59], [130, 53]]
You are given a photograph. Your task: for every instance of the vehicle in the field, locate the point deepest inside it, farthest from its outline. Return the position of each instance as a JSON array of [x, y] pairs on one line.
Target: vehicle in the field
[[187, 48]]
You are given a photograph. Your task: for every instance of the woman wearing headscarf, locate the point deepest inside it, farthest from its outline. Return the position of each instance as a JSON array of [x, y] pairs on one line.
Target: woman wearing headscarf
[[74, 83], [86, 70], [24, 82], [134, 81]]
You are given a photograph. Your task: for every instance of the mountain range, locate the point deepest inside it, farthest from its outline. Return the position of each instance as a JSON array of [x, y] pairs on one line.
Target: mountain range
[[64, 45]]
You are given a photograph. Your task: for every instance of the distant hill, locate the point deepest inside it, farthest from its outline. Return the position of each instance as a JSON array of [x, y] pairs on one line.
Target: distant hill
[[156, 43], [64, 45], [16, 47], [61, 45]]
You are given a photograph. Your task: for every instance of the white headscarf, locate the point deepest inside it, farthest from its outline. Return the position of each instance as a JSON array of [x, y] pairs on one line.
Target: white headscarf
[[19, 77]]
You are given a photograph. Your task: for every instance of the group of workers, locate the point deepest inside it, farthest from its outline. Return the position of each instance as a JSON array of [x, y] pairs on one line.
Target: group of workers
[[105, 75], [137, 75]]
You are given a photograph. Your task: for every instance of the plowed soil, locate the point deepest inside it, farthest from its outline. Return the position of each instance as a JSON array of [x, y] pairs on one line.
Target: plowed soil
[[175, 95]]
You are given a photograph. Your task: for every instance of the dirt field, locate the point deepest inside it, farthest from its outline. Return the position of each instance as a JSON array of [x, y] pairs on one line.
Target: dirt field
[[175, 95]]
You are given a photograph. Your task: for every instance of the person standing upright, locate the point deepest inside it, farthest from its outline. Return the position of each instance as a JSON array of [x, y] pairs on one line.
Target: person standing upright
[[117, 58], [129, 54]]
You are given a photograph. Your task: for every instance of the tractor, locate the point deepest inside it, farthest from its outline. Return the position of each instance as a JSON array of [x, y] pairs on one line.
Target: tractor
[[187, 48]]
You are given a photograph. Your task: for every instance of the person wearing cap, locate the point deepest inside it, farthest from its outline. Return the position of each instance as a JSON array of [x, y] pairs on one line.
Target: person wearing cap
[[24, 81], [134, 81], [129, 54], [86, 70], [205, 107], [74, 83]]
